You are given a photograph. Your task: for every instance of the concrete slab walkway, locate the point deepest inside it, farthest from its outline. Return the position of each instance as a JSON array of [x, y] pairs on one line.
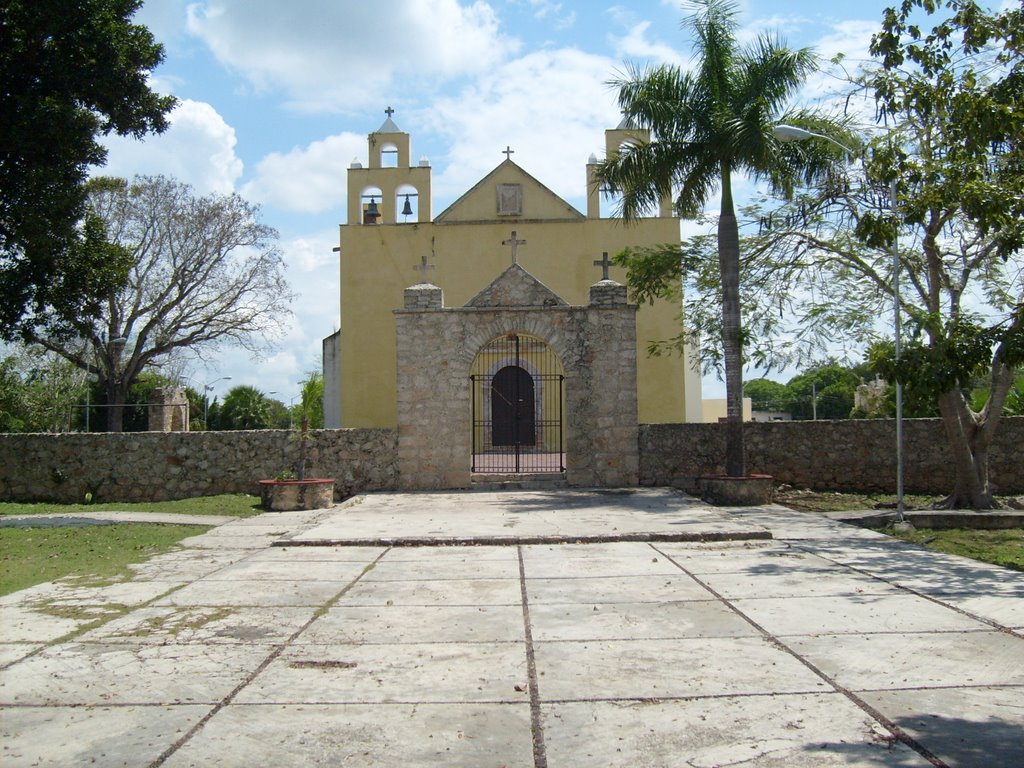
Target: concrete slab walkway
[[273, 640]]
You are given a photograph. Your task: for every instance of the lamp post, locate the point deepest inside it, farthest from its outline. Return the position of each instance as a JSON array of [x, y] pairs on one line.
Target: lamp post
[[786, 133], [206, 399]]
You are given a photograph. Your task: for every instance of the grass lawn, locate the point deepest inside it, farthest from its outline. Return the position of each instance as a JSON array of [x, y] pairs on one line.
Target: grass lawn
[[95, 553], [1003, 547], [99, 553], [234, 504]]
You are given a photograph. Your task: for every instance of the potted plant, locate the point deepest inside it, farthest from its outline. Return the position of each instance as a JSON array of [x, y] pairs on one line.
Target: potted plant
[[291, 489]]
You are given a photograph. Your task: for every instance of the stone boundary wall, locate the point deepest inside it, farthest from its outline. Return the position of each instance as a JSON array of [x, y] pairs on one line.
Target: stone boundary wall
[[855, 455], [154, 466]]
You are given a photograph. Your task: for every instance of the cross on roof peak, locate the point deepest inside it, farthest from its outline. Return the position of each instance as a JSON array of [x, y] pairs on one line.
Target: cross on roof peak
[[389, 111], [508, 152], [515, 243], [604, 263]]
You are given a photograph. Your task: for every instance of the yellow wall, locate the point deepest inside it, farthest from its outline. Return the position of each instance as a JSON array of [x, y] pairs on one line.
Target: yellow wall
[[377, 265], [464, 243]]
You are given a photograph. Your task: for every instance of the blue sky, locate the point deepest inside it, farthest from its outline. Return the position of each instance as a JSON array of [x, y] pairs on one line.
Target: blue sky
[[276, 99]]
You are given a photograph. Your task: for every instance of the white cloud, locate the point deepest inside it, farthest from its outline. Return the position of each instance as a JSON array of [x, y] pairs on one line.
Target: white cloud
[[309, 179], [198, 148], [311, 253], [334, 56], [552, 107], [635, 45]]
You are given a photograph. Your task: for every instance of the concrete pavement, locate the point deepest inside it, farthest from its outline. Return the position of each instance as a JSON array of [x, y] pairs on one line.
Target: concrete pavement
[[678, 635]]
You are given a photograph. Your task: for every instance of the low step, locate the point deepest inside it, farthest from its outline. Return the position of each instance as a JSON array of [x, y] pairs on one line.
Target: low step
[[524, 481]]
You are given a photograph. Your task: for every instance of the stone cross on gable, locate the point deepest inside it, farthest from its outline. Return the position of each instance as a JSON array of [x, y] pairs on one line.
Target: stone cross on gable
[[508, 152], [389, 111], [604, 264], [515, 243], [423, 268]]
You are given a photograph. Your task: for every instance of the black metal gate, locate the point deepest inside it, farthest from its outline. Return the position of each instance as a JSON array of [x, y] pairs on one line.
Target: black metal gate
[[517, 385]]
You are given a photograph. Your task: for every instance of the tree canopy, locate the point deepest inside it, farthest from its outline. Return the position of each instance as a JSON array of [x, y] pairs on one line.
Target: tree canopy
[[943, 174], [71, 73], [204, 270], [707, 124]]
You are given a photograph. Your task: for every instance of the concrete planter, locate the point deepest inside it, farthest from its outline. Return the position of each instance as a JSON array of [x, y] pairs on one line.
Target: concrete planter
[[748, 491], [288, 495]]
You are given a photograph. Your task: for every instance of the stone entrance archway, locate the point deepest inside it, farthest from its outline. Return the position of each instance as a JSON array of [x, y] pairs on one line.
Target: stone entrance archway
[[437, 350]]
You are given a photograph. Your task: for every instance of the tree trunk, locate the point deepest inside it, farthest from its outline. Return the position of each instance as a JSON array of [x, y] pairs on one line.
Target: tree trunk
[[116, 397], [966, 437], [729, 269]]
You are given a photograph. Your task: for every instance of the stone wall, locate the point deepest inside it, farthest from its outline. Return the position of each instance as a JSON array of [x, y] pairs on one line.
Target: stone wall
[[153, 466], [857, 455], [149, 466]]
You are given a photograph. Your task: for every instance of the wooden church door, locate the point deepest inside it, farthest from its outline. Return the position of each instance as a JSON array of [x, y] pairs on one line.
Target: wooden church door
[[513, 407]]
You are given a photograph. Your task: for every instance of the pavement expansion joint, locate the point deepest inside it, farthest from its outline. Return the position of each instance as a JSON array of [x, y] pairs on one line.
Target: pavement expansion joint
[[515, 541]]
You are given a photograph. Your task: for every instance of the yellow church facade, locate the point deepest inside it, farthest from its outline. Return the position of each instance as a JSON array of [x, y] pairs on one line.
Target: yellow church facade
[[390, 242]]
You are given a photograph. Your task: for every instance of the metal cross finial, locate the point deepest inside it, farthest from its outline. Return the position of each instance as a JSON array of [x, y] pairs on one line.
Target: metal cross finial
[[389, 111], [515, 243], [423, 268], [508, 152], [604, 264]]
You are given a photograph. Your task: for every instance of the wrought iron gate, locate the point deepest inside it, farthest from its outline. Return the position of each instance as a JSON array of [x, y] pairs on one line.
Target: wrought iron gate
[[517, 385]]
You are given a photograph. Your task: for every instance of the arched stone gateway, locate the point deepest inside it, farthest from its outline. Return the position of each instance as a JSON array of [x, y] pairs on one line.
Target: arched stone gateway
[[458, 368], [518, 399]]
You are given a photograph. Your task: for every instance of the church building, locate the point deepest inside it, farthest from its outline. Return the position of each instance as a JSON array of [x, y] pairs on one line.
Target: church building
[[508, 220]]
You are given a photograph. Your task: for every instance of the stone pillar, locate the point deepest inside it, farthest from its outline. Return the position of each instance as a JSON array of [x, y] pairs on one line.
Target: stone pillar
[[433, 397], [424, 296], [603, 426], [168, 410]]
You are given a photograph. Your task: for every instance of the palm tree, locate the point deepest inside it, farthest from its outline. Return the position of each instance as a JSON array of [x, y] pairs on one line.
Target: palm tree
[[705, 125]]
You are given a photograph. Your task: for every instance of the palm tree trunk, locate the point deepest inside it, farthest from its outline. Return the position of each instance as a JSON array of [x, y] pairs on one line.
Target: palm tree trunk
[[729, 269]]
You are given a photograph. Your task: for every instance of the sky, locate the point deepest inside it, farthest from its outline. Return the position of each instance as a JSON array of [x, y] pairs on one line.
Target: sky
[[275, 100]]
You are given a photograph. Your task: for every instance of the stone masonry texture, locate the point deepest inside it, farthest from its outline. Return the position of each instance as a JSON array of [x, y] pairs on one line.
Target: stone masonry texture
[[155, 466], [150, 466], [855, 455]]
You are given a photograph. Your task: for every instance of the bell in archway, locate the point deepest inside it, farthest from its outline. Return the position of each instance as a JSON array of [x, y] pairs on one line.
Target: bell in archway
[[372, 213], [407, 208]]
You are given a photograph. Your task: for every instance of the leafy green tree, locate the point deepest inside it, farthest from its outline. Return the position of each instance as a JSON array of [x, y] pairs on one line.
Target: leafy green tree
[[38, 392], [312, 408], [960, 92], [278, 416], [766, 395], [244, 407], [824, 392], [188, 286], [71, 73], [707, 125], [952, 157], [195, 410]]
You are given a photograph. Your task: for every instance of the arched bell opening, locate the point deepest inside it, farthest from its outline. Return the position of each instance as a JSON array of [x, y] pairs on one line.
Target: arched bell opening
[[371, 203], [407, 204]]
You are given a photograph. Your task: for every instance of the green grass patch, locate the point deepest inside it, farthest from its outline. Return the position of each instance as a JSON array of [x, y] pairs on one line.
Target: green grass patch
[[828, 501], [95, 553], [1003, 547], [233, 504]]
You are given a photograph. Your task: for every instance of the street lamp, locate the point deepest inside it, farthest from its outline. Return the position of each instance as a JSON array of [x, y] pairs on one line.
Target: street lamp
[[206, 399], [786, 133]]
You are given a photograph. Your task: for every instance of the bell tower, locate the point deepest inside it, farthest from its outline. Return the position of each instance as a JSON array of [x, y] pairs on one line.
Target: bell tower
[[391, 190], [614, 138]]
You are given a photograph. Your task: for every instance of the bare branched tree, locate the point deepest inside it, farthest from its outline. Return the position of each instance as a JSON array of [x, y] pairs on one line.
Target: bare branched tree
[[204, 272]]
